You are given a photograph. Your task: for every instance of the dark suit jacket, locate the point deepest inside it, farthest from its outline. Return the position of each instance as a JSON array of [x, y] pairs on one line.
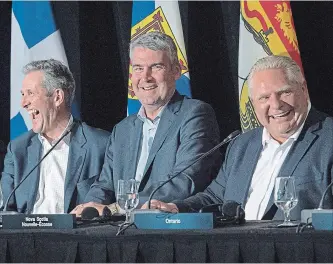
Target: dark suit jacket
[[187, 129], [85, 161], [310, 161]]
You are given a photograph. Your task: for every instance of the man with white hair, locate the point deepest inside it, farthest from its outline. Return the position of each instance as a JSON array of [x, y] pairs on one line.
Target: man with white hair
[[63, 178], [295, 140]]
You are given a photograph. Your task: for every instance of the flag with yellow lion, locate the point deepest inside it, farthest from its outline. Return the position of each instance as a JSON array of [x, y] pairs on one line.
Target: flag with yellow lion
[[266, 28]]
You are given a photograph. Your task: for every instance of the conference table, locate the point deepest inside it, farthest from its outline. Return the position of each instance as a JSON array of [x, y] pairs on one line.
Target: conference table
[[255, 241]]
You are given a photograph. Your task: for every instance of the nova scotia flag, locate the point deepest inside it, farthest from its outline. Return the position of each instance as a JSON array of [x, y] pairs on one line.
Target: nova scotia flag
[[34, 37], [163, 16]]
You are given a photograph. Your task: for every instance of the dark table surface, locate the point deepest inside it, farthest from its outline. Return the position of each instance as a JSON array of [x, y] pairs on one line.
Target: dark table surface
[[252, 242]]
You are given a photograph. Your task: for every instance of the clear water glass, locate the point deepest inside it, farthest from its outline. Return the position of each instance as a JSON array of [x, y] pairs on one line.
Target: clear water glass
[[285, 197], [128, 196]]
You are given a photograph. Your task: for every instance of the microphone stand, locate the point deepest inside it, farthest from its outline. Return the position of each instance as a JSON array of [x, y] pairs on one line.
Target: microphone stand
[[226, 140], [306, 214], [5, 212], [321, 203]]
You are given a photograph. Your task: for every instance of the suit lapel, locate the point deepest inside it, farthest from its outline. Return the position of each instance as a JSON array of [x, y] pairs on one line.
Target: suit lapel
[[167, 119], [34, 152], [296, 153], [252, 155], [76, 159], [289, 165], [135, 141], [300, 147]]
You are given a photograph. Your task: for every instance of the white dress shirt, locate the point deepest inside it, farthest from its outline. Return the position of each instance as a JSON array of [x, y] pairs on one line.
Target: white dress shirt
[[51, 189], [268, 167], [148, 134]]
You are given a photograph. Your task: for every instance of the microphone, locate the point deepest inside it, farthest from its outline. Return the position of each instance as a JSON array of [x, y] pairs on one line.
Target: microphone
[[226, 140], [321, 218], [91, 215], [69, 129], [228, 212], [321, 203]]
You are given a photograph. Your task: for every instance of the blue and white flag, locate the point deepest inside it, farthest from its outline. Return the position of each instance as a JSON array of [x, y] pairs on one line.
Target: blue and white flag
[[161, 16], [34, 37]]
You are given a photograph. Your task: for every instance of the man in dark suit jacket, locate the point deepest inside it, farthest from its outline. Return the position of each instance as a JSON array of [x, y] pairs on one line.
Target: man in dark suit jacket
[[296, 140], [187, 128], [64, 177]]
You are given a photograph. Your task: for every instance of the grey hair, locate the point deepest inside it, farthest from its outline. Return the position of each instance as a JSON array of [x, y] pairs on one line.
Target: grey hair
[[156, 40], [56, 76], [290, 68]]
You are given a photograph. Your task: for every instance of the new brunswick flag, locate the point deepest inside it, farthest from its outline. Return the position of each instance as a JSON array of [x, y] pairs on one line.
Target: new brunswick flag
[[266, 28], [161, 16]]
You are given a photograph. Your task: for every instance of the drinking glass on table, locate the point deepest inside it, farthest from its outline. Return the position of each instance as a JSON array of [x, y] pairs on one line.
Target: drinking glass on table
[[285, 197], [128, 196]]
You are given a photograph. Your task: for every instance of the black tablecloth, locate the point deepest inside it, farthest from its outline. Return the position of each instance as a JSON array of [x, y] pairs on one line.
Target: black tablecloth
[[252, 242]]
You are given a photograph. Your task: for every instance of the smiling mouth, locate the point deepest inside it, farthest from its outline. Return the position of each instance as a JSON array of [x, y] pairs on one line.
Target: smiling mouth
[[33, 113], [280, 115], [148, 88]]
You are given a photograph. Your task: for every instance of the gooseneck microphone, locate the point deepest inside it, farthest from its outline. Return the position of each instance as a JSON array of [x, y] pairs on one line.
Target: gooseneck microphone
[[69, 129], [307, 214], [226, 140], [321, 203], [320, 218]]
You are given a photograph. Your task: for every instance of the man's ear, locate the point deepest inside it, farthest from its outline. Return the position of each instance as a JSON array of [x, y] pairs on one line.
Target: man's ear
[[177, 71], [305, 89], [59, 97]]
